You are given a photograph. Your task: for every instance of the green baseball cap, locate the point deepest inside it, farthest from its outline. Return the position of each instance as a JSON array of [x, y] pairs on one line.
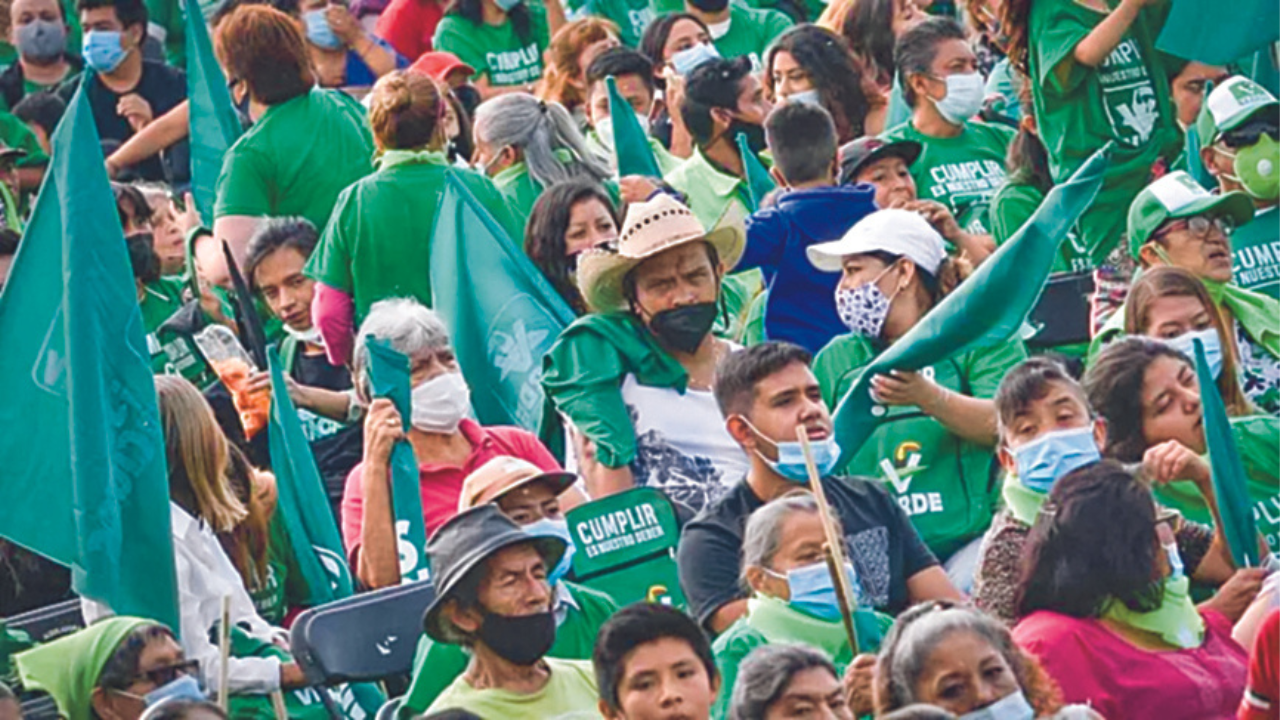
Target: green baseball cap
[[1177, 195], [1229, 106]]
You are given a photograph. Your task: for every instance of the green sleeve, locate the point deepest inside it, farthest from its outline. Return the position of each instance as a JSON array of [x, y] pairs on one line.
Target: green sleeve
[[837, 366], [167, 15], [582, 375], [435, 667], [455, 34], [729, 650], [775, 23], [541, 28], [16, 134], [987, 367], [243, 187], [330, 263], [1055, 28], [1012, 206]]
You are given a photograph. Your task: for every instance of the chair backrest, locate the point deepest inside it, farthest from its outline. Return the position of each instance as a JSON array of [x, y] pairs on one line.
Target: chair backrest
[[363, 638], [625, 546], [1062, 314], [39, 706], [49, 622]]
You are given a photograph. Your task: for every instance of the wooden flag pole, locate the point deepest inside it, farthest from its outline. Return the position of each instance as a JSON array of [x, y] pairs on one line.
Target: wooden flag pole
[[224, 653], [834, 550]]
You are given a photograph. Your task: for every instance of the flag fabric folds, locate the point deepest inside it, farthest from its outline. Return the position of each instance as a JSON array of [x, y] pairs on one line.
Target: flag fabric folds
[[1248, 26], [213, 120], [754, 172], [85, 481], [630, 144]]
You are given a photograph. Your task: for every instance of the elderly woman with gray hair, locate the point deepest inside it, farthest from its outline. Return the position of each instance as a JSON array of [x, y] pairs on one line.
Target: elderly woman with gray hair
[[447, 444], [787, 681]]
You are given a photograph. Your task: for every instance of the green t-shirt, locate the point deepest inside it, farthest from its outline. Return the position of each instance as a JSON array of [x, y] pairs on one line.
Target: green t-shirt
[[944, 483], [296, 159], [1012, 205], [160, 300], [1255, 253], [631, 17], [570, 694], [962, 172], [750, 33], [496, 51], [1079, 109], [166, 21], [521, 191], [379, 243]]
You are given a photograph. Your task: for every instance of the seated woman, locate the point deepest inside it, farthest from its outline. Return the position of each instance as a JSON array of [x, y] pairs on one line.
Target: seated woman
[[809, 64], [502, 40], [344, 53], [783, 681], [958, 659], [793, 596], [1106, 608], [567, 220], [1147, 392], [935, 445], [572, 49]]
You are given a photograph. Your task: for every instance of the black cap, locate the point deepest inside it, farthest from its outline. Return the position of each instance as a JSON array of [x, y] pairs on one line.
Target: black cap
[[857, 154]]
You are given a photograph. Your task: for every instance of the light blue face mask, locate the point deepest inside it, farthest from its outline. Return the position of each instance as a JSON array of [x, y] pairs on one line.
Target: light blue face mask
[[686, 60], [318, 30], [804, 97], [102, 50], [548, 527], [506, 5], [1013, 706], [1212, 347], [813, 593], [790, 462], [1043, 460], [184, 687]]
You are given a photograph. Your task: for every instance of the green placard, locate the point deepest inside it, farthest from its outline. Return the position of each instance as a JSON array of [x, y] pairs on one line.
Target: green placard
[[622, 529]]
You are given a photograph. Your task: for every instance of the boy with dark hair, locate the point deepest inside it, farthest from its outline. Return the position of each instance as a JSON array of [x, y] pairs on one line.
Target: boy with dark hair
[[41, 112], [633, 73], [652, 660], [812, 209]]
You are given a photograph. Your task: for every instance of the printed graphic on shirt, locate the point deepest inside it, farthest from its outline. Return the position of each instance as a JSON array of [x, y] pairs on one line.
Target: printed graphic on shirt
[[514, 67], [1128, 94], [868, 550], [690, 479], [898, 471], [966, 188], [1256, 267], [315, 427], [1259, 373]]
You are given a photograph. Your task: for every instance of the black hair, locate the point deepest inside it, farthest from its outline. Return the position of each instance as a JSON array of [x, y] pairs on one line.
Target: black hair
[[1027, 160], [640, 624], [713, 84], [121, 669], [9, 239], [143, 258], [43, 108], [619, 62], [655, 39], [740, 372], [1028, 382], [452, 714], [918, 47], [182, 709], [129, 12], [802, 139], [131, 201], [1113, 384], [276, 234], [835, 74], [473, 12], [1094, 541], [868, 28], [544, 241]]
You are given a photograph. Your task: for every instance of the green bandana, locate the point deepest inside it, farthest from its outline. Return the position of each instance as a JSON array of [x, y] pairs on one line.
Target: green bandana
[[1176, 620], [1256, 312], [1023, 502], [780, 623], [68, 668], [391, 158]]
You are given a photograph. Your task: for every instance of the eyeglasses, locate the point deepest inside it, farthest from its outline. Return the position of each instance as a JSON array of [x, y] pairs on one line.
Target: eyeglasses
[[1247, 135], [167, 674], [1199, 226]]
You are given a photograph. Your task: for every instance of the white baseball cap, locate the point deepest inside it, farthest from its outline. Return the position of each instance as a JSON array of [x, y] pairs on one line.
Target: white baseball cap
[[895, 231]]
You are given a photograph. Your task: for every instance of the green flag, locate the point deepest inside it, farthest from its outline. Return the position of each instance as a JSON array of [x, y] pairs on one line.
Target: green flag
[[302, 504], [986, 309], [630, 144], [1244, 27], [214, 124], [502, 320], [389, 378], [84, 479], [759, 183], [1230, 485]]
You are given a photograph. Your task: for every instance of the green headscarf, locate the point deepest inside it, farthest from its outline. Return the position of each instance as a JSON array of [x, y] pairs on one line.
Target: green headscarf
[[1023, 502], [68, 668], [1176, 621]]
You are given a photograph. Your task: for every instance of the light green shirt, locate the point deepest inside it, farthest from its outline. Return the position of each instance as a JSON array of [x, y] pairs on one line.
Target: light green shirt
[[708, 189], [570, 694]]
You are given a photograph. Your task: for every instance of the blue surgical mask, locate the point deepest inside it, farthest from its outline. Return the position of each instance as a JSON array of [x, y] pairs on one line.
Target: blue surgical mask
[[813, 592], [964, 97], [318, 30], [1043, 460], [804, 97], [506, 5], [1013, 706], [686, 60], [1212, 347], [790, 463], [548, 527], [184, 687], [102, 50]]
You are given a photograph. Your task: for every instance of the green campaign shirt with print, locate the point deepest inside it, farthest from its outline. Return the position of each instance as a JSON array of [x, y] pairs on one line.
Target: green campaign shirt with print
[[296, 158], [1255, 253], [944, 483], [1079, 109], [378, 244], [159, 301], [1012, 205], [962, 172], [631, 17], [497, 52], [751, 31], [570, 694]]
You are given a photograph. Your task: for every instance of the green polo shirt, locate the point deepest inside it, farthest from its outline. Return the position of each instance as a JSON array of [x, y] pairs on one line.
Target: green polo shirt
[[1255, 253], [497, 52]]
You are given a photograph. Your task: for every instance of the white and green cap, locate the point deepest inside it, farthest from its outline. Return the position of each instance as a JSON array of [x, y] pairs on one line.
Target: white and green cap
[[1178, 195], [1229, 106]]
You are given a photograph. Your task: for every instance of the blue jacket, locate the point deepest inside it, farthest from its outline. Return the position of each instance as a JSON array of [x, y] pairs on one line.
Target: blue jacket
[[801, 307]]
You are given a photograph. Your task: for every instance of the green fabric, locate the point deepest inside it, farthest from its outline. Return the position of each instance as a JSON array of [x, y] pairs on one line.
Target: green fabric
[[631, 17], [962, 172], [1079, 109], [85, 482], [297, 158], [360, 700], [570, 694], [16, 134], [582, 374], [160, 300], [1023, 502], [1191, 31], [68, 668], [709, 191], [630, 144], [496, 52], [437, 665], [1012, 205], [280, 587], [759, 183], [1255, 312], [213, 124], [521, 191], [1176, 621], [751, 31], [1255, 254], [169, 18]]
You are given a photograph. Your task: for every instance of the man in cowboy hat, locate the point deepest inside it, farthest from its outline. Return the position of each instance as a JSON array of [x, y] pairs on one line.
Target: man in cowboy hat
[[634, 377], [535, 500], [493, 597]]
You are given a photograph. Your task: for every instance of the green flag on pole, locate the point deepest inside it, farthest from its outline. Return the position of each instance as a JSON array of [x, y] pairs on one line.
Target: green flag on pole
[[759, 183], [84, 479], [302, 504], [1249, 26], [630, 144], [1230, 485], [214, 123], [986, 309]]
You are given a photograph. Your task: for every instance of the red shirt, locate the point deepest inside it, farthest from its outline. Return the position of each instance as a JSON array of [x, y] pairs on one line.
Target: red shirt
[[442, 484], [409, 26], [1262, 696]]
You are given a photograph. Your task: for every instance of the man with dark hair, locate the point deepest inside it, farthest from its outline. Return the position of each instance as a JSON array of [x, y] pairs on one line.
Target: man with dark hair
[[633, 72], [766, 392], [652, 660], [813, 209], [41, 112]]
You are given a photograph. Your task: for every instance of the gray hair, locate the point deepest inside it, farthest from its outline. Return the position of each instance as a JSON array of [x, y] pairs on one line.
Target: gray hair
[[407, 324], [765, 675], [539, 129], [763, 534]]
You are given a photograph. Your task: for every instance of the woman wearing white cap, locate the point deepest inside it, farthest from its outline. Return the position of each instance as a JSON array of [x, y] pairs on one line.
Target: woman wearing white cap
[[935, 445]]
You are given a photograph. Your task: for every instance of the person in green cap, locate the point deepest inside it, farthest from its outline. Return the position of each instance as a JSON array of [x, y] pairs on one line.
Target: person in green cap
[[1238, 132], [738, 29], [502, 39]]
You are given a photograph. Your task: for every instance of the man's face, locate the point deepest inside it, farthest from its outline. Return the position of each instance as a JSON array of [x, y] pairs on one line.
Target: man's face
[[632, 89], [752, 106], [515, 583], [787, 399], [1196, 244], [25, 12], [285, 289], [530, 503], [675, 278], [663, 680], [1188, 89], [893, 181], [1061, 408], [105, 18]]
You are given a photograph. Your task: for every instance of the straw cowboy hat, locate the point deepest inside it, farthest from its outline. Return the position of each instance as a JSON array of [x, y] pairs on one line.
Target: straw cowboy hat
[[652, 228]]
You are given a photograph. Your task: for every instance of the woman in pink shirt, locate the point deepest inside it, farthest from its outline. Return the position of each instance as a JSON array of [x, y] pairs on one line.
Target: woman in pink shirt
[[1105, 607]]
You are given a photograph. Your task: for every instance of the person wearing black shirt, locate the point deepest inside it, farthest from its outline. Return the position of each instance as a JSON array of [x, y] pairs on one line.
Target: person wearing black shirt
[[765, 392]]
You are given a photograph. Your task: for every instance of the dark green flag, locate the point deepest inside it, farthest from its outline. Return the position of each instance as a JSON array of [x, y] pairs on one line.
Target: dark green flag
[[630, 144], [986, 309], [754, 172], [214, 123], [1215, 33], [84, 479]]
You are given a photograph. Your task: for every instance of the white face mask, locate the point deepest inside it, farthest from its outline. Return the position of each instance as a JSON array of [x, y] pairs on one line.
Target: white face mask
[[964, 98], [718, 30], [604, 129], [310, 336], [439, 404], [804, 97]]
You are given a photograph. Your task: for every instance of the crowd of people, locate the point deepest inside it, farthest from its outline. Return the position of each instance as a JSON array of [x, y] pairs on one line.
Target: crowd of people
[[741, 205]]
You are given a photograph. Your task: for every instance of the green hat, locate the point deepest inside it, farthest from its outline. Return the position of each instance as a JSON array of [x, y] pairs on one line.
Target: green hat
[[68, 668], [1177, 195], [1229, 106]]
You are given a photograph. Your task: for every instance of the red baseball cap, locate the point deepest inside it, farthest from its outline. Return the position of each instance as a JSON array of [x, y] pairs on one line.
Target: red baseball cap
[[439, 65]]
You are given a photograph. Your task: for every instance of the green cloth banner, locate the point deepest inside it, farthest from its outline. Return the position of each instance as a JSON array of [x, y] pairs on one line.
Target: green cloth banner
[[389, 378], [84, 481], [302, 504], [214, 123], [986, 309], [1191, 34], [630, 144], [759, 183]]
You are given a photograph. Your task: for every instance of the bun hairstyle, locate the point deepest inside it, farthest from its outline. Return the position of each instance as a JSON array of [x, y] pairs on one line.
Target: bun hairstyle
[[406, 110]]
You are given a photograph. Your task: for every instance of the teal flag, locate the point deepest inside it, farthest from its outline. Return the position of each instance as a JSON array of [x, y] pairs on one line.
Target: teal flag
[[502, 320], [1230, 484], [759, 183], [214, 123], [986, 309], [389, 376], [302, 504], [1216, 34], [84, 479], [630, 144]]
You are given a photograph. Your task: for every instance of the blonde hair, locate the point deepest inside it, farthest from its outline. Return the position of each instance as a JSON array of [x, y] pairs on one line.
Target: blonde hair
[[196, 451], [563, 75]]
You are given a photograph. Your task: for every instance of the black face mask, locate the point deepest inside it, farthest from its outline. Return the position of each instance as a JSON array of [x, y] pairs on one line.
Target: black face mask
[[242, 111], [683, 328], [710, 6], [519, 639], [755, 135]]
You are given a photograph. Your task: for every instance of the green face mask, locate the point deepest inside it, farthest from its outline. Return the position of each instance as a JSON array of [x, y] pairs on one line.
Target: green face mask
[[1258, 168]]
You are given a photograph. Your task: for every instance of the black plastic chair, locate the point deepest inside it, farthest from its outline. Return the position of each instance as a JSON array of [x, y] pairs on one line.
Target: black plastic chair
[[49, 622]]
